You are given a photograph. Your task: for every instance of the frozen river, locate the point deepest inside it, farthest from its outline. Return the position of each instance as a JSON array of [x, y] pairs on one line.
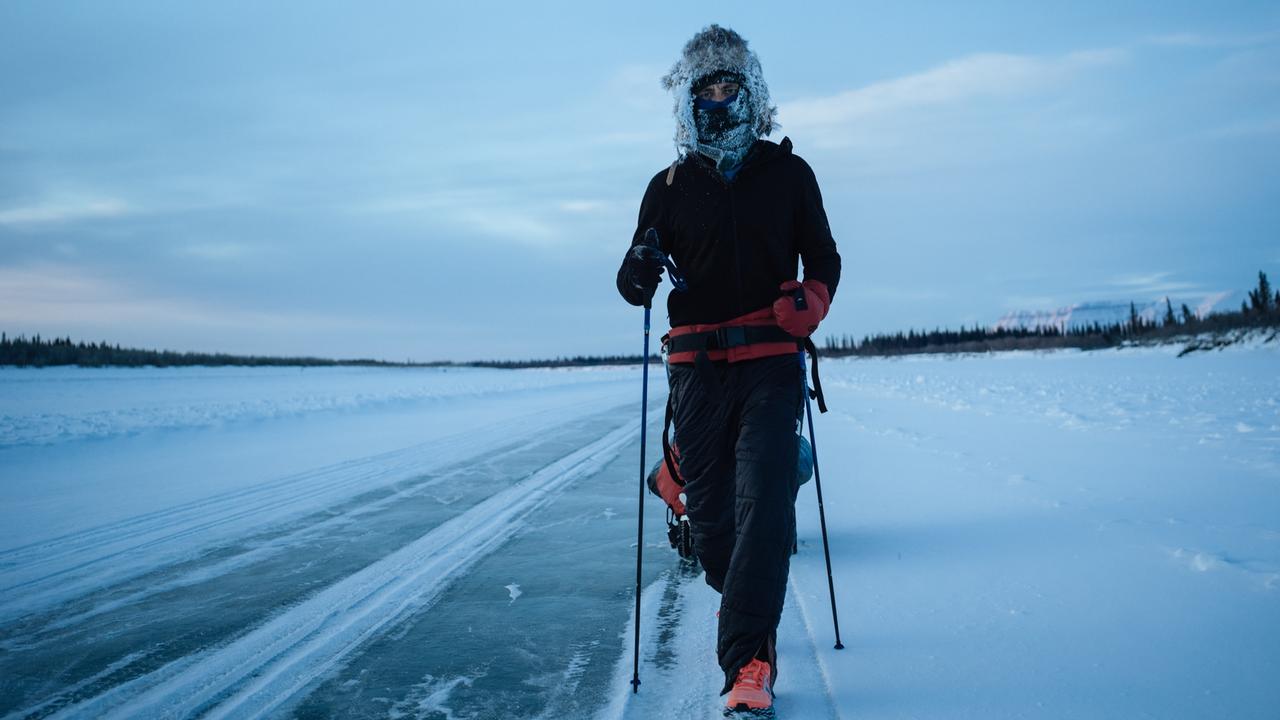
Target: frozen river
[[1063, 535]]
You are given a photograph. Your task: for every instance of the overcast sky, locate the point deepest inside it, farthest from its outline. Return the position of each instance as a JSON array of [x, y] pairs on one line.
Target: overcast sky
[[454, 181]]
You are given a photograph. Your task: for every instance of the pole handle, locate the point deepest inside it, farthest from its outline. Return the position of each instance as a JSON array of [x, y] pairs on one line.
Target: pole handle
[[802, 304], [678, 280]]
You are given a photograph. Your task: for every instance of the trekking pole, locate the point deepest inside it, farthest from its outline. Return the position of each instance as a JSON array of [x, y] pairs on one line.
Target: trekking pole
[[644, 416], [802, 304], [822, 514], [678, 282]]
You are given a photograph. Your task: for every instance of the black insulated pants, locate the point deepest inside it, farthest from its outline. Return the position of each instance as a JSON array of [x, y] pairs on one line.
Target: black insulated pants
[[735, 427]]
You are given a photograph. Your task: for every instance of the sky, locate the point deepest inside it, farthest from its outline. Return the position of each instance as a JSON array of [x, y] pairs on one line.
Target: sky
[[431, 180]]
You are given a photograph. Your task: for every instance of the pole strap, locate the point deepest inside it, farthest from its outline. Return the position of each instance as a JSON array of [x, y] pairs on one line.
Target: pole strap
[[816, 392]]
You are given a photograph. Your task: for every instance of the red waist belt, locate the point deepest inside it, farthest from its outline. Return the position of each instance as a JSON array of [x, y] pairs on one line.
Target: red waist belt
[[726, 338], [747, 337]]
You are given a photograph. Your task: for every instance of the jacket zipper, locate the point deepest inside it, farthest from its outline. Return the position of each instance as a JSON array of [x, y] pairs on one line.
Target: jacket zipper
[[737, 249], [733, 224]]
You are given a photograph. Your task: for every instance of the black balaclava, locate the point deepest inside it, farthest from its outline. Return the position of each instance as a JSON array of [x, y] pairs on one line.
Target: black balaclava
[[725, 128]]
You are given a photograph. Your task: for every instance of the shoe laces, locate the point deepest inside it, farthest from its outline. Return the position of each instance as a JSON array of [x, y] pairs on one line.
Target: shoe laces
[[753, 674]]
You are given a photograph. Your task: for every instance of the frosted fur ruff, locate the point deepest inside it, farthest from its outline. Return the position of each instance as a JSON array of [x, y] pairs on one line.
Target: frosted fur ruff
[[714, 49]]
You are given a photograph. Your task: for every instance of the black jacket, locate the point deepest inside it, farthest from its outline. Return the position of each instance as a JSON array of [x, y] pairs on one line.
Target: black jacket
[[736, 242]]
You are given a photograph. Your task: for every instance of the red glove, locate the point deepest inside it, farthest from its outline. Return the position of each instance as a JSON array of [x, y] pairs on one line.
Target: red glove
[[801, 323]]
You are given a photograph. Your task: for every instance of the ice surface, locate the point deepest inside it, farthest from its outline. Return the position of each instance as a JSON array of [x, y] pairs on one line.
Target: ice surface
[[513, 591], [1051, 535]]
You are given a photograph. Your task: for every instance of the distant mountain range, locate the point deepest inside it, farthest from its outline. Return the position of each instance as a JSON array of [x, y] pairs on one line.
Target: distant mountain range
[[1106, 313]]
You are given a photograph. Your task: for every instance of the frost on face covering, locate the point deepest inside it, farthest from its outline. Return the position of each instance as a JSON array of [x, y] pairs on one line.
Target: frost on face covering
[[713, 52], [725, 131]]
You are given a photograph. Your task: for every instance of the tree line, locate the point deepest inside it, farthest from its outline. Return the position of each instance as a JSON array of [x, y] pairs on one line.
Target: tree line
[[1261, 310], [37, 351]]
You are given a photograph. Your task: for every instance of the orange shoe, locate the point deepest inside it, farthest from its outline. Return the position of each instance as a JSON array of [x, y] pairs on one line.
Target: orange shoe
[[753, 690]]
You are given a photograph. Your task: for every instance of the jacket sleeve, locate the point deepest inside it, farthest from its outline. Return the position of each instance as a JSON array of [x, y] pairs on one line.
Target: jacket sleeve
[[651, 216], [813, 233]]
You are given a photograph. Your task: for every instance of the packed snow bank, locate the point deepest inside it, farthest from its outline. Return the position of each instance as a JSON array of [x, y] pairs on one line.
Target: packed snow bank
[[64, 404], [1056, 535]]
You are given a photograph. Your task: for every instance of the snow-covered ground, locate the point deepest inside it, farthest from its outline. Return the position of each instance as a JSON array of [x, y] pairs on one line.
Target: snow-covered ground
[[1067, 535], [1059, 535]]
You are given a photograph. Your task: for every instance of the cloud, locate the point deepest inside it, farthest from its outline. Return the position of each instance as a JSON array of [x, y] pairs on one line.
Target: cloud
[[583, 207], [216, 251], [56, 296], [1029, 302], [510, 225], [1247, 129], [51, 295], [61, 211], [1155, 283], [896, 293], [488, 212], [628, 139], [638, 87], [1204, 40], [958, 81]]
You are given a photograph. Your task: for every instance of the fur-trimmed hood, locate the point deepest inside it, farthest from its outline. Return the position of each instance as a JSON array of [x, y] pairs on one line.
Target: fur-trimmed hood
[[712, 50]]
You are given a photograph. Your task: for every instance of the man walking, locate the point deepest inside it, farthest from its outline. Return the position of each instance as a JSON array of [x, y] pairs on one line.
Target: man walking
[[737, 214]]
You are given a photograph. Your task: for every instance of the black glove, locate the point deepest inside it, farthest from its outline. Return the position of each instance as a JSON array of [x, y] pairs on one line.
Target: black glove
[[643, 270]]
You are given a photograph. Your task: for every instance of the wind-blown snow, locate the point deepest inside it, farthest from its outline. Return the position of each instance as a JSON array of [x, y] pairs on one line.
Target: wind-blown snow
[[69, 403], [1052, 536], [87, 447]]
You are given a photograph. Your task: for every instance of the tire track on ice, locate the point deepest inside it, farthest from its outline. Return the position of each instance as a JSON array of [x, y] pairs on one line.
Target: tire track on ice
[[264, 669], [260, 551], [42, 574]]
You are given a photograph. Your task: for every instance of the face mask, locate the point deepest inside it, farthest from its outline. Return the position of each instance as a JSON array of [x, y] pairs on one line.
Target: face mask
[[725, 126], [715, 119]]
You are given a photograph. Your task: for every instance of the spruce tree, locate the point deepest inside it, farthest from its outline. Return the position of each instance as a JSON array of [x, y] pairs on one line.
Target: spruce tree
[[1260, 299]]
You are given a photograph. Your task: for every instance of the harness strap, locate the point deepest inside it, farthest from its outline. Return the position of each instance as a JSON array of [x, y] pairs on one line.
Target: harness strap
[[816, 392], [667, 452], [668, 455], [728, 337], [707, 375]]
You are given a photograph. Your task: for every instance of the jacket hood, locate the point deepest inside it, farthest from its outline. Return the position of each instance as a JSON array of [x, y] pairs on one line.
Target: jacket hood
[[716, 49]]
